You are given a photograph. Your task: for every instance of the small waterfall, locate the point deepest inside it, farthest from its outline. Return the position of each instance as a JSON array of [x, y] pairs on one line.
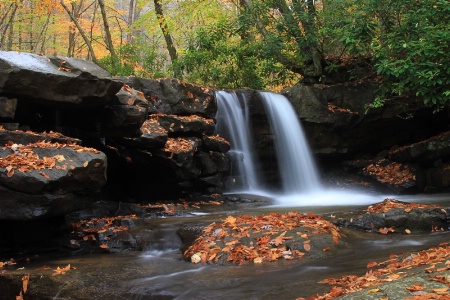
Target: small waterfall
[[297, 169], [233, 124], [296, 164]]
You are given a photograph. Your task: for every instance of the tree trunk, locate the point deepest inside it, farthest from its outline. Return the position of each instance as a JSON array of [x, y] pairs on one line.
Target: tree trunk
[[169, 42], [303, 12], [131, 11], [108, 38], [9, 23], [86, 40]]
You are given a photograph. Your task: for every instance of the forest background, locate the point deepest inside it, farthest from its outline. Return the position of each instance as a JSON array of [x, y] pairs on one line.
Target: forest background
[[260, 44]]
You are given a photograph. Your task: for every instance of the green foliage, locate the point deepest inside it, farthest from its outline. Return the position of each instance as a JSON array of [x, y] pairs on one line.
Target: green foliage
[[218, 56], [143, 61], [413, 55]]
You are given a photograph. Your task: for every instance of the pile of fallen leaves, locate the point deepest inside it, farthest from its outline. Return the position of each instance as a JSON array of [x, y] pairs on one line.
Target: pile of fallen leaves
[[389, 204], [170, 209], [152, 125], [193, 118], [178, 145], [258, 239], [433, 260], [24, 159], [391, 172]]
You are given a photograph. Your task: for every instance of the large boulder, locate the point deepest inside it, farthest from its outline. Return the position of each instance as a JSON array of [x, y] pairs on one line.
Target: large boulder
[[339, 121], [61, 81], [172, 96], [43, 179]]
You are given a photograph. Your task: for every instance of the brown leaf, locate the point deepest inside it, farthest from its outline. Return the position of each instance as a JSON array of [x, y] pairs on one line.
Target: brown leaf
[[25, 280], [306, 246], [372, 264], [416, 287]]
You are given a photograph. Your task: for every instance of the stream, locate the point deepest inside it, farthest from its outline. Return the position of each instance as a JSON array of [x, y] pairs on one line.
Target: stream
[[159, 272]]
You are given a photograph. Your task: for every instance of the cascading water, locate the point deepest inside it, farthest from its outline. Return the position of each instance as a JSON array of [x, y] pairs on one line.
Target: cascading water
[[233, 124], [296, 164]]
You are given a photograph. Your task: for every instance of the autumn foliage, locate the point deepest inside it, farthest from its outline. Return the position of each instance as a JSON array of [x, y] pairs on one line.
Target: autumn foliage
[[391, 172], [24, 159], [433, 260]]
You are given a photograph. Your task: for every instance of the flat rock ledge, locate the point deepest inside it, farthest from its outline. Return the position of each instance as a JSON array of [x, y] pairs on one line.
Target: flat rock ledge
[[43, 179], [394, 216]]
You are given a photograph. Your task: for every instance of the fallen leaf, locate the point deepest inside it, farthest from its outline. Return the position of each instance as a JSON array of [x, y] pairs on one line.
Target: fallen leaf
[[231, 220], [60, 271], [408, 231], [374, 291], [85, 164], [307, 246], [440, 290], [258, 260], [25, 281], [372, 264], [104, 246], [416, 287]]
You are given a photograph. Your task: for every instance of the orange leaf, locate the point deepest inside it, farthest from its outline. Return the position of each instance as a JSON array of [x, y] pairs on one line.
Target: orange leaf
[[231, 220], [104, 246], [372, 264], [416, 287]]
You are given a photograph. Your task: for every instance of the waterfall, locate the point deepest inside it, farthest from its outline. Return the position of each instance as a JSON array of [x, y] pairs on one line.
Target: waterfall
[[300, 182], [297, 168], [233, 124]]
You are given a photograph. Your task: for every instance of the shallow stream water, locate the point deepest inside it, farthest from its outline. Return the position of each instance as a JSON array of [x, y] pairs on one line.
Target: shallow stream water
[[159, 272]]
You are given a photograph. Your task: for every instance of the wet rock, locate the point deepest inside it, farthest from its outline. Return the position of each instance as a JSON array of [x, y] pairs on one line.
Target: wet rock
[[172, 96], [393, 216], [29, 137], [427, 150], [42, 179], [153, 136], [338, 120], [187, 124], [126, 114], [7, 107], [68, 82], [215, 143]]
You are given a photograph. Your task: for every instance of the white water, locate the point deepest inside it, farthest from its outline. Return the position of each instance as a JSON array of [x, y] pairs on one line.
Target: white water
[[297, 168], [300, 181], [233, 124]]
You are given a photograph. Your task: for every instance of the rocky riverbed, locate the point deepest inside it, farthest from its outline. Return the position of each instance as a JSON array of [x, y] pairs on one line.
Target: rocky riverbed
[[140, 254]]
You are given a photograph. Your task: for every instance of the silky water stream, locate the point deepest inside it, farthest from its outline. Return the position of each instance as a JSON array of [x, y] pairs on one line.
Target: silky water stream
[[159, 272]]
